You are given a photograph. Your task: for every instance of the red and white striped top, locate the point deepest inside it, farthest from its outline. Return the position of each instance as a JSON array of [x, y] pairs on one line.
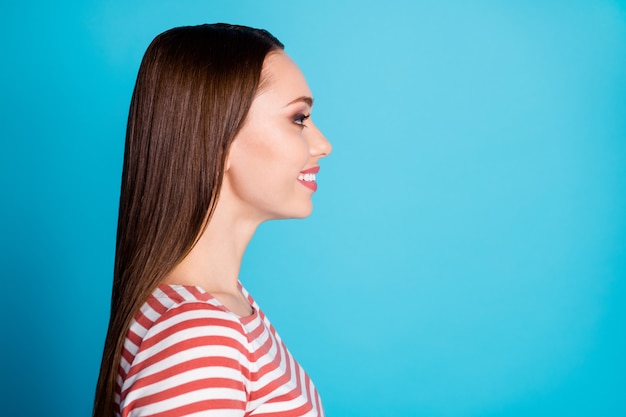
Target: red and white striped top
[[187, 355]]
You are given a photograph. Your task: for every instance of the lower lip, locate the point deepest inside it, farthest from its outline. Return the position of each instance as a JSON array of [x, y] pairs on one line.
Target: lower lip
[[311, 185]]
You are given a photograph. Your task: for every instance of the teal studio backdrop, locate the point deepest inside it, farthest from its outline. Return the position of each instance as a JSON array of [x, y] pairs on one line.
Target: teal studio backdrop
[[467, 252]]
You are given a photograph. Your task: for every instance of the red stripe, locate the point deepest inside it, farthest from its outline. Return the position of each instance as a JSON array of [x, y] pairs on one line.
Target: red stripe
[[156, 305], [206, 405], [275, 362], [203, 323], [128, 357], [134, 337], [198, 294], [257, 331], [304, 408], [186, 388], [265, 348], [206, 341], [204, 362], [318, 403], [172, 294], [276, 383], [286, 397], [307, 381], [143, 320]]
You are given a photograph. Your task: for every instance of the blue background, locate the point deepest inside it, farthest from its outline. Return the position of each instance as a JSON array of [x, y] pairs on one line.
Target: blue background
[[467, 253]]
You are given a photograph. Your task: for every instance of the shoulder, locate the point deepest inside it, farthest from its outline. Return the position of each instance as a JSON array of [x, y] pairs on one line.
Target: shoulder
[[196, 323], [186, 329], [180, 308], [192, 348], [195, 326]]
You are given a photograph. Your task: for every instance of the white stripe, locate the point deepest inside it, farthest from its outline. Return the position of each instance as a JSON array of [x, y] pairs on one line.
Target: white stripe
[[189, 398], [178, 358], [195, 314], [194, 332]]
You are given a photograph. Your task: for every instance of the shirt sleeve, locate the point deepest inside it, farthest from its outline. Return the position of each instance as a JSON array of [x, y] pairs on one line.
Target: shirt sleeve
[[193, 361]]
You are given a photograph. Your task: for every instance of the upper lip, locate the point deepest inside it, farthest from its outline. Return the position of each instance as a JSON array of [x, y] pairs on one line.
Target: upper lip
[[312, 170]]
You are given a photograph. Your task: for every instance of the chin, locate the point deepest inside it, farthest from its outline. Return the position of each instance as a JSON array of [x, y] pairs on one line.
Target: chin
[[297, 213], [304, 215], [305, 211]]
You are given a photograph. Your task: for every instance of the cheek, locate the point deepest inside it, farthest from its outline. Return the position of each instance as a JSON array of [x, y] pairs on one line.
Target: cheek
[[269, 159], [278, 153]]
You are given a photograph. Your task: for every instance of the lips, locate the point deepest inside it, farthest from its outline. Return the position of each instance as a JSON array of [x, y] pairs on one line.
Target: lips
[[307, 177]]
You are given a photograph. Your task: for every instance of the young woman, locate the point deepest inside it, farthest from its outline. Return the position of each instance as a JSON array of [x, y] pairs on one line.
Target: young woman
[[219, 139]]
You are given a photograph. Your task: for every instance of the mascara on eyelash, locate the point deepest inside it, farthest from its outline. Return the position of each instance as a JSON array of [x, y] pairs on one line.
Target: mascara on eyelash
[[300, 118]]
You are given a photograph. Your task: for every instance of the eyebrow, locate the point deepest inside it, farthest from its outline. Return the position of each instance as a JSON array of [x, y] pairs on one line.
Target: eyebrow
[[306, 99]]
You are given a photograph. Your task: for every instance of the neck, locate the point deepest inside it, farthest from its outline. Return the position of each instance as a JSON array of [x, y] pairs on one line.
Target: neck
[[215, 260]]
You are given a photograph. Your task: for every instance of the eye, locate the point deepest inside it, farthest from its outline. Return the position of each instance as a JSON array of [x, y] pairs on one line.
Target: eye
[[300, 118]]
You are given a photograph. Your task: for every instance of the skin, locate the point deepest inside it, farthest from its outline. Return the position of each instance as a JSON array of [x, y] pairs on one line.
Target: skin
[[260, 183]]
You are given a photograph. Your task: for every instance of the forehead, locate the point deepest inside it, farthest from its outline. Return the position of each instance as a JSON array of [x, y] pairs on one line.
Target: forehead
[[281, 77]]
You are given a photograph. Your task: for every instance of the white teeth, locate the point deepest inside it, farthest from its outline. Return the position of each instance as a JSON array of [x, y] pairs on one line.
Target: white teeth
[[306, 177]]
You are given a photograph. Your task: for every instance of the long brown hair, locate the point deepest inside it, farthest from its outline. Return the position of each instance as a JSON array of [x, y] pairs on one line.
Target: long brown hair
[[193, 92]]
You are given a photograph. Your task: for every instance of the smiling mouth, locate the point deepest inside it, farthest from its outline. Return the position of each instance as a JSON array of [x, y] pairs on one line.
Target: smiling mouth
[[307, 178]]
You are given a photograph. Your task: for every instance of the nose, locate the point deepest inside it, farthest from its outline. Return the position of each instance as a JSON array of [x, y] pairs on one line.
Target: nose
[[318, 144]]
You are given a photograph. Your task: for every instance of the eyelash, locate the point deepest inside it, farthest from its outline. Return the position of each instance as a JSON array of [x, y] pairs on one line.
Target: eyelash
[[299, 119]]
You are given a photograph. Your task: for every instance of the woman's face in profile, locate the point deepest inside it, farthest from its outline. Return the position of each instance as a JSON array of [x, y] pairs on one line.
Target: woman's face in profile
[[271, 166]]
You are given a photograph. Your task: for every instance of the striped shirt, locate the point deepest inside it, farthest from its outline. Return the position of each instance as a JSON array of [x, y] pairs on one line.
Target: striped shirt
[[186, 354]]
